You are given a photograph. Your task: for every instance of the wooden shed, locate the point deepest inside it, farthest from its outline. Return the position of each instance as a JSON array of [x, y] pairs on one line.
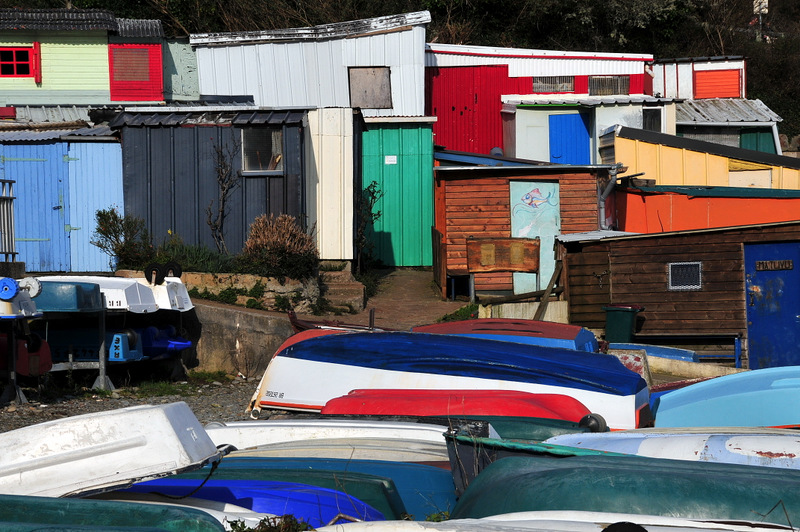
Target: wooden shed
[[713, 289], [481, 197]]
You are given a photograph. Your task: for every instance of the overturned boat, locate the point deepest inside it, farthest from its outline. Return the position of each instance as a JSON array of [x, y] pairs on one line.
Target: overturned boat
[[309, 370]]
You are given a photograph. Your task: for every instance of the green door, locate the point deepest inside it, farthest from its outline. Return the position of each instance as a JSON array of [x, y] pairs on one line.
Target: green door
[[399, 159]]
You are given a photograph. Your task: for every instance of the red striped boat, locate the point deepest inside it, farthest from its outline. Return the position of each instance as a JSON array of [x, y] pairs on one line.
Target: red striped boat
[[424, 402]]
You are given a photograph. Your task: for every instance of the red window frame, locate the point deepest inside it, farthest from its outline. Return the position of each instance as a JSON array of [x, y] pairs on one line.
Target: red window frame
[[11, 59]]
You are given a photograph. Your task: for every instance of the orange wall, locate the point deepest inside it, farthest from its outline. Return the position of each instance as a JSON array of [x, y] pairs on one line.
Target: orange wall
[[655, 213]]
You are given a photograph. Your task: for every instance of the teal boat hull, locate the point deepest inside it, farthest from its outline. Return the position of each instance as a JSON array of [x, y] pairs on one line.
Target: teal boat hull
[[28, 513], [634, 485]]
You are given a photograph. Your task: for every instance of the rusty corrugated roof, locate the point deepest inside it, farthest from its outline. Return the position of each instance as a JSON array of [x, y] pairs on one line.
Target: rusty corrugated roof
[[724, 110], [133, 27], [57, 19], [78, 20]]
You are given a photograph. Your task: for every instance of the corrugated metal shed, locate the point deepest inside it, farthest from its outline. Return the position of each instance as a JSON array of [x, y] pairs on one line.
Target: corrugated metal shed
[[310, 67], [527, 62], [57, 19], [131, 27], [723, 111], [169, 162]]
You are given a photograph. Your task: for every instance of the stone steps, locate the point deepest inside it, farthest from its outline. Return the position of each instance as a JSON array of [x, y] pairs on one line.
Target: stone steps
[[342, 290]]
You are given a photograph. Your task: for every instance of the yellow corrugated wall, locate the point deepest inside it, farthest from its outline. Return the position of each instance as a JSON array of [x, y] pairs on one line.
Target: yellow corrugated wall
[[680, 167]]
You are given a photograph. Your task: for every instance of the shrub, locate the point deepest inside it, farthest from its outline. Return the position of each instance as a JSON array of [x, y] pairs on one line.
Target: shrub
[[278, 247], [123, 237], [193, 258]]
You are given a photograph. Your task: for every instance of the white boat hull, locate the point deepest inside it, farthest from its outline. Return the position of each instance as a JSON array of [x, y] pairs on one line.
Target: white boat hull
[[733, 445], [280, 388], [558, 521], [258, 433], [103, 450]]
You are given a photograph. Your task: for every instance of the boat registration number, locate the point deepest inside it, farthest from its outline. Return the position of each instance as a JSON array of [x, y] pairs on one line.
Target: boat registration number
[[276, 395]]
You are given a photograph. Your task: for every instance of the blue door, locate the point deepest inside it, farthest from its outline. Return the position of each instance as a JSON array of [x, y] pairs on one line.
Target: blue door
[[95, 183], [41, 208], [772, 273], [570, 140]]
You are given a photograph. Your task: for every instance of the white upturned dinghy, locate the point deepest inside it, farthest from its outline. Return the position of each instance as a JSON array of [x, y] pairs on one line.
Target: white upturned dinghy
[[562, 521], [757, 446], [259, 433], [97, 452]]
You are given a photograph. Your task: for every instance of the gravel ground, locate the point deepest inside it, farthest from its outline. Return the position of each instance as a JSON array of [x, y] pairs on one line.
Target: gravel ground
[[218, 401]]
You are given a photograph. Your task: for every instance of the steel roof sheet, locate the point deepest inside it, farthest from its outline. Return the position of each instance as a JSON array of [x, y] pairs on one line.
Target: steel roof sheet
[[586, 101], [27, 135], [171, 119], [325, 31], [724, 110]]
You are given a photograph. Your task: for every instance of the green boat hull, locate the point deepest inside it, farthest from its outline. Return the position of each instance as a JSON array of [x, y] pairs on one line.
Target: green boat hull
[[29, 513], [634, 485]]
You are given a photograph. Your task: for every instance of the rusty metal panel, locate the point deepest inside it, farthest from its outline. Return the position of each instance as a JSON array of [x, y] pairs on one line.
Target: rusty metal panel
[[370, 87], [503, 255]]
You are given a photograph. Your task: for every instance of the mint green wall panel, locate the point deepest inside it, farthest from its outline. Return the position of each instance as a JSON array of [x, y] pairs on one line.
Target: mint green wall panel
[[758, 139], [399, 158]]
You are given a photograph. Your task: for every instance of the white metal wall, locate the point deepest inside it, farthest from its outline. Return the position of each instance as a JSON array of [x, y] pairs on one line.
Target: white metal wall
[[314, 74], [522, 62], [329, 171], [676, 80], [532, 129]]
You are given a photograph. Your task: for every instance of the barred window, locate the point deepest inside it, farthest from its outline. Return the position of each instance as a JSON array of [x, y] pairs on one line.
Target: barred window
[[685, 276], [554, 84], [609, 85]]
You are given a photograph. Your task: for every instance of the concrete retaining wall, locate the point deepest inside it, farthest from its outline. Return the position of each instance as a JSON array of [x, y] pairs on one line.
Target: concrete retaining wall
[[238, 340]]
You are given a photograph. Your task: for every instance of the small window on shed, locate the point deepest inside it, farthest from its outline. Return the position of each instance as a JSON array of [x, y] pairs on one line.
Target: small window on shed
[[545, 84], [609, 85], [262, 149], [651, 120], [370, 87], [685, 276]]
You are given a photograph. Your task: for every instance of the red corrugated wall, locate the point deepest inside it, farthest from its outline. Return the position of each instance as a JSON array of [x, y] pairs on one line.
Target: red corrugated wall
[[717, 84], [466, 102]]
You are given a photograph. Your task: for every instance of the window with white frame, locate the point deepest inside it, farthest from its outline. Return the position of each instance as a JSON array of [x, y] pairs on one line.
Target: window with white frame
[[262, 149], [685, 275]]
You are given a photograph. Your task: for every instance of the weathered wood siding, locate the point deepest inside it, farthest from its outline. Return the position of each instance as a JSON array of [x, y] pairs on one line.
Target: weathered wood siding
[[587, 283], [634, 271], [639, 276], [477, 203]]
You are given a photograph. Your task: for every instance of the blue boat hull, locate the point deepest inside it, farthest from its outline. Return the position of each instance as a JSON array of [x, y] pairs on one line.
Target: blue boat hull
[[316, 506], [759, 398], [308, 371]]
